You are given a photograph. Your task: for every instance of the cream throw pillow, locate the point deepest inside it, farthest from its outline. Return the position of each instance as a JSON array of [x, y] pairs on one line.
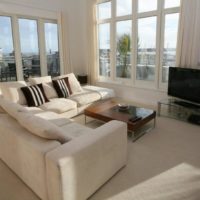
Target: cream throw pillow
[[47, 85], [42, 128], [74, 84]]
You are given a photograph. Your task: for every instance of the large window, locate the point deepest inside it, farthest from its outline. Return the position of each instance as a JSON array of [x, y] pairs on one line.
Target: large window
[[36, 49], [137, 40], [104, 50], [123, 55], [29, 47], [147, 5], [170, 43], [146, 49], [7, 54], [52, 48]]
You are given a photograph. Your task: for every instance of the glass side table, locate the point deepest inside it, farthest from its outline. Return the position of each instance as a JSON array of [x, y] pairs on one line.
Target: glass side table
[[169, 108]]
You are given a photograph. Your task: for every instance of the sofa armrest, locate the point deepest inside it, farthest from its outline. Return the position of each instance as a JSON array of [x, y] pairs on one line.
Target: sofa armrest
[[78, 168]]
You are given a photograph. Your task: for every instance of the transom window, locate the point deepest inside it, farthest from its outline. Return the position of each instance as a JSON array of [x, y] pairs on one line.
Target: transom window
[[137, 40]]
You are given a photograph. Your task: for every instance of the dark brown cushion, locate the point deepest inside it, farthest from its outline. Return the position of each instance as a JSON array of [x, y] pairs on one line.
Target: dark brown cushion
[[34, 95], [62, 87]]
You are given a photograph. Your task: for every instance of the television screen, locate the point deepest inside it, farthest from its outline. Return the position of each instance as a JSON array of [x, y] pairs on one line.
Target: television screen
[[184, 83]]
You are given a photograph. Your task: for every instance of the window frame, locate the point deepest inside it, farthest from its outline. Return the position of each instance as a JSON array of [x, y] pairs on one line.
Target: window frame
[[99, 22], [44, 46], [41, 17], [162, 85], [160, 28]]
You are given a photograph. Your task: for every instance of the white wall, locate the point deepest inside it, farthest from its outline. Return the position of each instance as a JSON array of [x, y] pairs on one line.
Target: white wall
[[139, 95], [74, 27]]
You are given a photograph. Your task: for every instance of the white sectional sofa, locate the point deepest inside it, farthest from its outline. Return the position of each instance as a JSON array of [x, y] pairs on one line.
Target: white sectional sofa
[[81, 98], [56, 157]]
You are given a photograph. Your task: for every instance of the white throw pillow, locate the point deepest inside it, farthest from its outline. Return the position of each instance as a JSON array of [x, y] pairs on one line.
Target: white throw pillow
[[74, 84], [47, 85], [11, 91], [42, 127]]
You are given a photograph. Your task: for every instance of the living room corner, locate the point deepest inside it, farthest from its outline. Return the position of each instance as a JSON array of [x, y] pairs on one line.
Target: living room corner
[[99, 100]]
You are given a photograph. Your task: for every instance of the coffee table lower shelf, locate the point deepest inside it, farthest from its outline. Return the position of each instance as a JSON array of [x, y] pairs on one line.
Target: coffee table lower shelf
[[135, 135], [135, 130]]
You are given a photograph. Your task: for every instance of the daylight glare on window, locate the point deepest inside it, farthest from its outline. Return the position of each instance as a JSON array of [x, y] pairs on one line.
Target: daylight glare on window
[[28, 30], [124, 7], [137, 40], [147, 5], [52, 48], [104, 10], [7, 54], [104, 49], [172, 3]]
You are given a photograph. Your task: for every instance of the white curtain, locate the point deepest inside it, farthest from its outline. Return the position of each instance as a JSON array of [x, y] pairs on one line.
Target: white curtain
[[92, 40], [188, 49]]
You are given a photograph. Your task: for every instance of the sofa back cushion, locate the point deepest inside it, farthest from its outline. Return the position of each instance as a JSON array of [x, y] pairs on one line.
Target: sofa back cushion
[[74, 84], [38, 80], [47, 85], [11, 91], [35, 95], [42, 127]]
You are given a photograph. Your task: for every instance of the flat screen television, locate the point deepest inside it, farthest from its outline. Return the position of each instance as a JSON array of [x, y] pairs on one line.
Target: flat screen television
[[184, 83]]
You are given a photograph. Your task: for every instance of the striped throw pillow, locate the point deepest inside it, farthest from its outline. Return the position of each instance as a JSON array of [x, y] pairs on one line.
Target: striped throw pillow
[[62, 87], [34, 95]]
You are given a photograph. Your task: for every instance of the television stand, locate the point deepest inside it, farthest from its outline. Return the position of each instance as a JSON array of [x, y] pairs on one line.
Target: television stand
[[187, 104], [180, 110]]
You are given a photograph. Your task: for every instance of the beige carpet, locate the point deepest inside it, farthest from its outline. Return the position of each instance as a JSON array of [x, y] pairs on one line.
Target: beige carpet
[[162, 165]]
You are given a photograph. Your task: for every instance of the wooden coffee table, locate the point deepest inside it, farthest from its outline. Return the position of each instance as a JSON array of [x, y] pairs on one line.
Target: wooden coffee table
[[108, 110]]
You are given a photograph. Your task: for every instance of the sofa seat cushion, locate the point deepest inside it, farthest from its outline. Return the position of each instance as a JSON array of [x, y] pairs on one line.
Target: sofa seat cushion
[[11, 91], [104, 92], [85, 97], [33, 110], [59, 105], [42, 128], [54, 118], [74, 130]]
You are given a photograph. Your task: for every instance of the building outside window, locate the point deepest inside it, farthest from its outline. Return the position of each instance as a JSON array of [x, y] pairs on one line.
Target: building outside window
[[137, 40], [28, 30], [7, 54]]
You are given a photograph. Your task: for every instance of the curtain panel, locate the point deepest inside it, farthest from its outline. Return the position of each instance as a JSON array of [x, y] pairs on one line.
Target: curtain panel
[[92, 40], [188, 47]]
